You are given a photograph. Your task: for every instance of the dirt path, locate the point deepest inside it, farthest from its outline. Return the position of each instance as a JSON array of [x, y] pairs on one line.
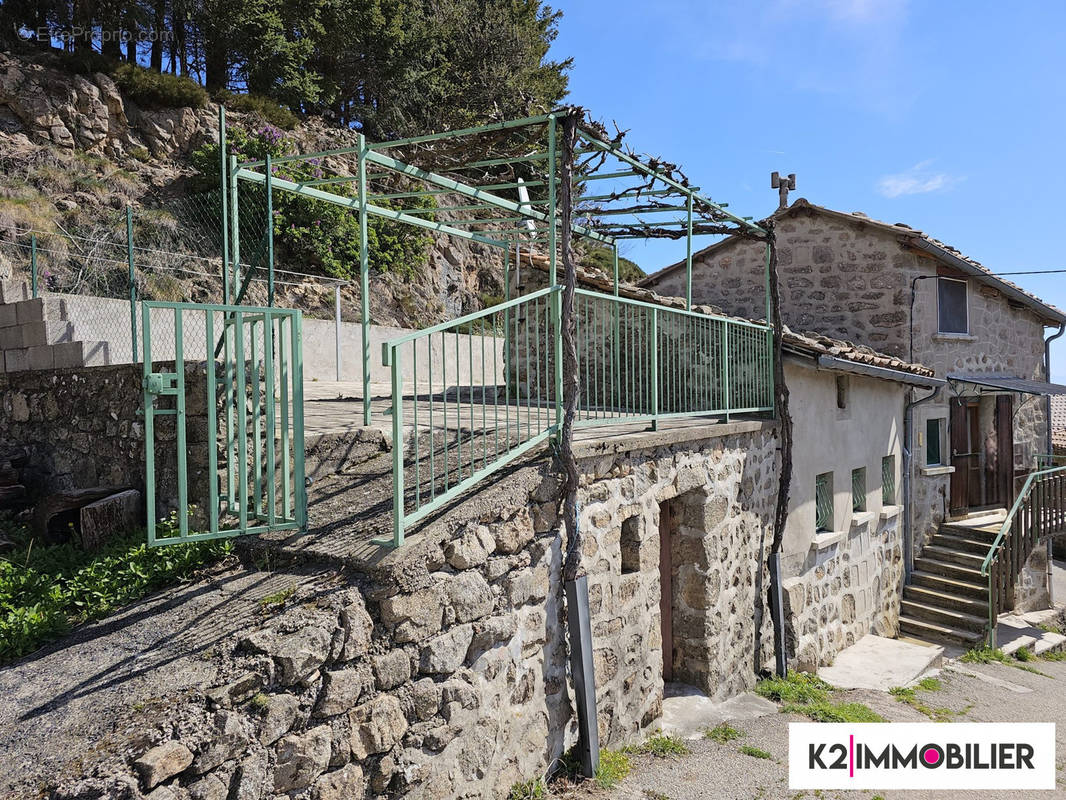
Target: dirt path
[[975, 693]]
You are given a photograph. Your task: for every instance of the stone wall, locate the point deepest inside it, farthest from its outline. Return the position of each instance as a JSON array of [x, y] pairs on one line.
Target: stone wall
[[851, 588], [442, 671], [851, 279], [85, 427]]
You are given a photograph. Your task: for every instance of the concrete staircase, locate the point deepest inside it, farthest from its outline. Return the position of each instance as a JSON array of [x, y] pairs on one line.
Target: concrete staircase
[[947, 598], [35, 333]]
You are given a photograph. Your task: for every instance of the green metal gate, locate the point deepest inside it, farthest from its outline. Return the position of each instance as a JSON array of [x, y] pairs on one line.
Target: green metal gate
[[223, 420]]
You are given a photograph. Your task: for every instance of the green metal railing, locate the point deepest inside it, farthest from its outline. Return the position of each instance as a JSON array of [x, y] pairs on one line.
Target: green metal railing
[[487, 389], [248, 412], [1038, 511], [1046, 460]]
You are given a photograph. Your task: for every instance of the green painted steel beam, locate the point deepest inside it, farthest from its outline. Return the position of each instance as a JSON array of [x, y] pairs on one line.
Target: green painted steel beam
[[353, 203], [488, 128]]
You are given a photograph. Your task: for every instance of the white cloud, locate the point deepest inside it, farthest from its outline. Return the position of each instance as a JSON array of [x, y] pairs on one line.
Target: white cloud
[[919, 179]]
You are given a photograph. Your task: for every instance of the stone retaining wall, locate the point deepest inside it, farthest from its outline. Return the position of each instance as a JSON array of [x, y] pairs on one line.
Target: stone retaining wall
[[442, 671], [85, 427]]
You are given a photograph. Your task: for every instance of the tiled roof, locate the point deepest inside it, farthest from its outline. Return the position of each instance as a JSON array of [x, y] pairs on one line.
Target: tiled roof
[[946, 251]]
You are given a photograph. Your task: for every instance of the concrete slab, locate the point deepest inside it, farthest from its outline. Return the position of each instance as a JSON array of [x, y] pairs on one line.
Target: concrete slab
[[688, 712], [875, 662]]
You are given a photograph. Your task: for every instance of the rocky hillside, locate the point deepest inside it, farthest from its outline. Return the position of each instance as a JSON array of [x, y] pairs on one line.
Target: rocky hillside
[[75, 150]]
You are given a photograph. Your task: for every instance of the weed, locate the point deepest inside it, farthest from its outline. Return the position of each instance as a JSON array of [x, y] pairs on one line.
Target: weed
[[278, 598], [803, 693], [614, 767], [535, 789], [1023, 654], [661, 745], [651, 794], [259, 703], [1057, 655], [722, 733], [909, 695], [930, 685], [46, 589], [268, 109], [754, 752], [988, 655], [141, 154]]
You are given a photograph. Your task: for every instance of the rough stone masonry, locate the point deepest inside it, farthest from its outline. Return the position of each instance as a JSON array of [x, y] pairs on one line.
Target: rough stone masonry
[[442, 672]]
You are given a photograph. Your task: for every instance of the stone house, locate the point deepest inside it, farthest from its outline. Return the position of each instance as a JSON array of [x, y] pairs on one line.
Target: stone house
[[842, 554], [899, 290]]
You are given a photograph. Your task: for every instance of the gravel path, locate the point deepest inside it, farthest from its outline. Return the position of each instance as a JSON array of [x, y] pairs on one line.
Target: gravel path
[[975, 693]]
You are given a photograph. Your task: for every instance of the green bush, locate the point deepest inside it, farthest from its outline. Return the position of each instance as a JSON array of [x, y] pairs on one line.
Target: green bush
[[613, 769], [265, 107], [44, 590], [316, 235], [155, 89], [602, 258]]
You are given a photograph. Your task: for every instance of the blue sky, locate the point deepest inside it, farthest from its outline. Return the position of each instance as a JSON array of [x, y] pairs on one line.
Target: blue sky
[[949, 116]]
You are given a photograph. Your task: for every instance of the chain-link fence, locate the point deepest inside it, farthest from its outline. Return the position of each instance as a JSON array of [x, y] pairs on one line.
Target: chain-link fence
[[100, 265]]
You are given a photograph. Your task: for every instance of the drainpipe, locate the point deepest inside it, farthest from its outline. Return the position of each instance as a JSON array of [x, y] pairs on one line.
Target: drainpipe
[[908, 467], [1050, 451]]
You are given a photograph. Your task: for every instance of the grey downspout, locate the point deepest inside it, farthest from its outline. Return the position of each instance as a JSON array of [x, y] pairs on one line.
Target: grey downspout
[[908, 467], [1050, 451]]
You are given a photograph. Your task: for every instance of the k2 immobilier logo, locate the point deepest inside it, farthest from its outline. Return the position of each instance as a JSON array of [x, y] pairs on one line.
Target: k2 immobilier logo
[[921, 755]]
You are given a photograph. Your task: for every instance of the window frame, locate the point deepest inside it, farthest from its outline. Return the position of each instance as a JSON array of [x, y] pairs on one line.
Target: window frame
[[824, 503], [858, 490], [941, 426], [888, 480], [939, 306]]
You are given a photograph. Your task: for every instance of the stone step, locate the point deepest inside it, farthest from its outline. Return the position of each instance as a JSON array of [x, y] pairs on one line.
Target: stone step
[[986, 534], [960, 544], [40, 309], [940, 583], [931, 632], [934, 597], [1050, 642], [968, 560], [942, 616], [35, 334], [12, 291], [949, 570]]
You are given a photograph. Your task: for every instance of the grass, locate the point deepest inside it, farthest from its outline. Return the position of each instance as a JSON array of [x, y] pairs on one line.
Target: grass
[[909, 695], [535, 789], [278, 598], [806, 694], [754, 752], [661, 745], [614, 767], [988, 655], [47, 589], [722, 733]]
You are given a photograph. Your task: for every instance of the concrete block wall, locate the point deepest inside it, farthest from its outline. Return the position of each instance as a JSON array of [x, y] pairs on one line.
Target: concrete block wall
[[36, 334]]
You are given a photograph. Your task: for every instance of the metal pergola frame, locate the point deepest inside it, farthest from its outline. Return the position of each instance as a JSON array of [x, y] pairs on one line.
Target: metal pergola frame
[[494, 219]]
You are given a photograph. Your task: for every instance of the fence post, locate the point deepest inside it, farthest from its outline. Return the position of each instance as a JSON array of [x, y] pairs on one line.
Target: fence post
[[726, 391], [33, 264], [132, 281], [654, 369], [392, 355], [364, 279], [337, 326], [270, 232]]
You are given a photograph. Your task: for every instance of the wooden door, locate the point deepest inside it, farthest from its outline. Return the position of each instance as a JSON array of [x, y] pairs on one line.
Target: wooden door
[[959, 434], [667, 526], [1005, 449]]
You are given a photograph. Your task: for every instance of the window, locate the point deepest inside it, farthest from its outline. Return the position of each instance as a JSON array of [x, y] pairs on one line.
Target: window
[[951, 306], [858, 490], [842, 391], [630, 545], [888, 480], [823, 502], [933, 450]]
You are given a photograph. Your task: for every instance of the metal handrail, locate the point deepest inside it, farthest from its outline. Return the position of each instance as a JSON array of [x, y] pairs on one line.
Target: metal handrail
[[636, 362], [1020, 503]]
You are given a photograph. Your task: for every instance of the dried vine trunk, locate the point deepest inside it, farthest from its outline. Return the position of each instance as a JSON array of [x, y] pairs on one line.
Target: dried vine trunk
[[572, 564], [781, 411]]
